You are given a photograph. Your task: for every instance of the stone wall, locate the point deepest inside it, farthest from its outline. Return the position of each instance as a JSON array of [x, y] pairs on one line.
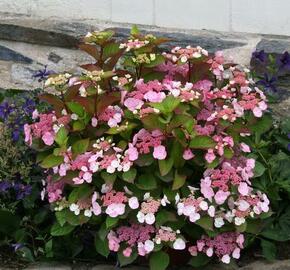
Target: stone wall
[[28, 44], [252, 16]]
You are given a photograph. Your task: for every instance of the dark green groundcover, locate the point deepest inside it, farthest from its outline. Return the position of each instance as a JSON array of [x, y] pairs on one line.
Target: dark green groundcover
[[26, 220]]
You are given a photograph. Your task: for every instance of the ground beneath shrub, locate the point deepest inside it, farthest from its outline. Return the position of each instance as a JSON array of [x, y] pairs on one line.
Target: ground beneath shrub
[[251, 260], [258, 265]]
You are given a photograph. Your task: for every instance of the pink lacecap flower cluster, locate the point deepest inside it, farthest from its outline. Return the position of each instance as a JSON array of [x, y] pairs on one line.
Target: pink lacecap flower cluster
[[217, 187], [136, 235], [185, 54], [53, 189], [105, 156], [225, 246], [144, 141], [45, 129], [143, 238], [112, 115]]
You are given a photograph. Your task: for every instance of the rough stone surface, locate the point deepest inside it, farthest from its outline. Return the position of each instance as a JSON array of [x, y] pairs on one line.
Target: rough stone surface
[[7, 54], [28, 44]]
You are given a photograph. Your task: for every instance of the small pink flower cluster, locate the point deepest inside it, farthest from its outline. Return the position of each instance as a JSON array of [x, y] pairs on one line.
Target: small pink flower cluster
[[221, 143], [144, 238], [218, 185], [136, 235], [185, 54], [225, 246], [173, 69], [104, 157], [142, 143], [45, 128], [53, 189], [133, 44], [112, 115]]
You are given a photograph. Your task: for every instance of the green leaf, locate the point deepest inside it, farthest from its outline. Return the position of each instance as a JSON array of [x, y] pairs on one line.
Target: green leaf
[[159, 260], [228, 153], [259, 169], [80, 192], [111, 222], [178, 181], [110, 50], [168, 105], [58, 230], [206, 223], [126, 260], [61, 217], [269, 249], [102, 246], [80, 146], [146, 182], [164, 216], [200, 260], [61, 136], [26, 254], [165, 166], [152, 122], [51, 161], [76, 108], [135, 30], [159, 59], [48, 249], [130, 175], [262, 125], [9, 222], [78, 125], [202, 142], [108, 177]]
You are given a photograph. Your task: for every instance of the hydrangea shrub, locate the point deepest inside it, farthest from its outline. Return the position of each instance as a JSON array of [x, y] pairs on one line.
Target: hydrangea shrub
[[148, 146]]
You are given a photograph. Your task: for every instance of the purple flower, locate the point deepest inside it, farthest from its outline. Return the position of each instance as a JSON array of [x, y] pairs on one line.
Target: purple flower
[[22, 190], [284, 61], [4, 186], [42, 74], [28, 106], [5, 110], [17, 246], [268, 83], [260, 56]]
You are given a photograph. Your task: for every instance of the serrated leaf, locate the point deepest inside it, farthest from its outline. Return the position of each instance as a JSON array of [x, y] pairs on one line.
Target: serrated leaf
[[61, 136], [135, 30], [126, 260], [206, 223], [269, 249], [178, 181], [165, 166], [79, 192], [110, 50], [202, 142], [146, 182], [76, 108], [159, 260], [51, 161], [168, 105], [200, 260], [57, 230], [111, 222], [80, 146], [102, 246], [259, 169], [130, 175]]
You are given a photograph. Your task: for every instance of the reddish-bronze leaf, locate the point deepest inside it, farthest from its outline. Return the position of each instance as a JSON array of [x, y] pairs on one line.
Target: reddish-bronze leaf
[[54, 101], [91, 50]]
